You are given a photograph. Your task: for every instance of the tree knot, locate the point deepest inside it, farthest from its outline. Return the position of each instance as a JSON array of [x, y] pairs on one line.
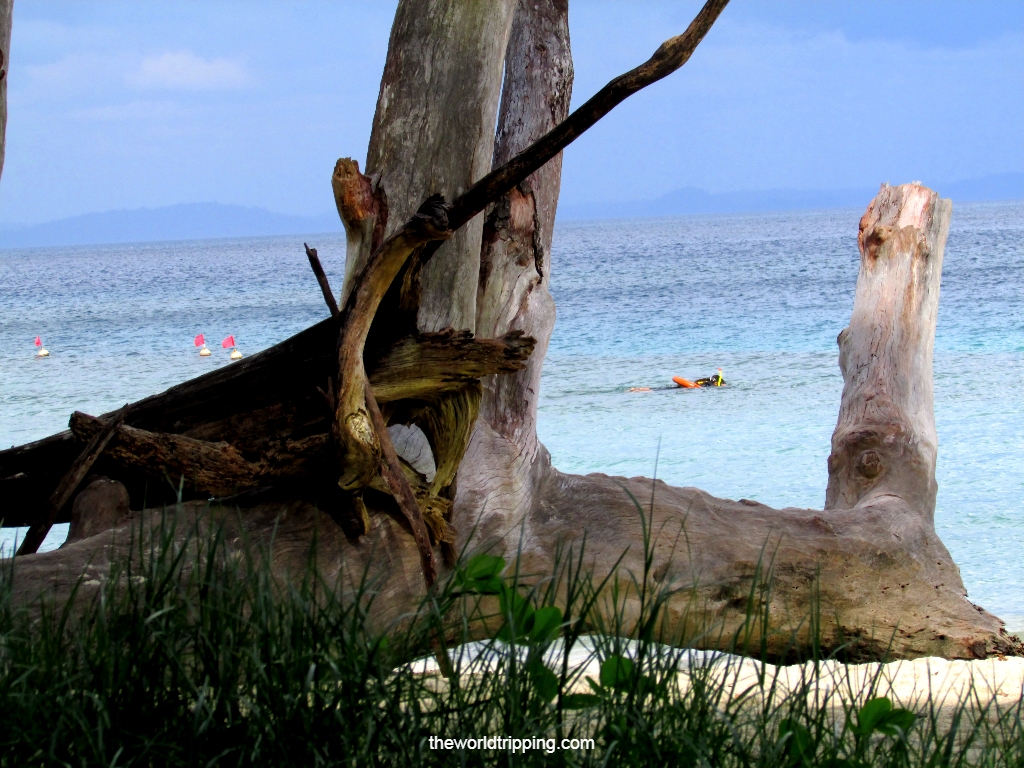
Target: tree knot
[[432, 218], [869, 464]]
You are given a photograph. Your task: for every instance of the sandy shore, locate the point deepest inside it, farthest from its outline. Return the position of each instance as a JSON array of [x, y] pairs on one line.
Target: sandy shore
[[918, 684]]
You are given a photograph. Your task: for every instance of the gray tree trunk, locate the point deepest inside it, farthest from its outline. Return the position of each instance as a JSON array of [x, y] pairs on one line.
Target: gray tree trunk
[[433, 132], [498, 477], [885, 442], [6, 16]]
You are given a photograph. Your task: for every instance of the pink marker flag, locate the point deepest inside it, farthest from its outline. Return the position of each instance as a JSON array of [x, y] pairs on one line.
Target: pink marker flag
[[39, 342], [228, 342], [200, 340]]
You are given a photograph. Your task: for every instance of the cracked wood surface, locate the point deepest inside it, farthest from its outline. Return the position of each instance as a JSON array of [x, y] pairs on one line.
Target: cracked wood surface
[[433, 133], [515, 268], [885, 440]]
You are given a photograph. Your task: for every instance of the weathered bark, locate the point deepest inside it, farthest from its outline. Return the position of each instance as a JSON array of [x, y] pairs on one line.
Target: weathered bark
[[885, 442], [433, 132], [394, 478], [352, 428], [217, 468], [498, 474], [431, 364], [101, 505], [364, 212], [6, 16]]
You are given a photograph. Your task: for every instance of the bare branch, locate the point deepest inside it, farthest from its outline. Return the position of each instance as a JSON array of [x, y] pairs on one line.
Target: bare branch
[[321, 277], [391, 471]]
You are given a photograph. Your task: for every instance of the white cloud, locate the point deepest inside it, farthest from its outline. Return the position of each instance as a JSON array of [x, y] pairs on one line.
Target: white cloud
[[184, 70]]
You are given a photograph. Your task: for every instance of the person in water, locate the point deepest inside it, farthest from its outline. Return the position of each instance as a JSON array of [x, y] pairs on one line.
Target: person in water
[[712, 381]]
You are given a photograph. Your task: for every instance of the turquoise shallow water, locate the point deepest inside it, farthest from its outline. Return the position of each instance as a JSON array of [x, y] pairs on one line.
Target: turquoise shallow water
[[761, 296]]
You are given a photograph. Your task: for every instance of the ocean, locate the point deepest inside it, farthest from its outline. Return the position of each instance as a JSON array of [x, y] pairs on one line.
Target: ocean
[[761, 296]]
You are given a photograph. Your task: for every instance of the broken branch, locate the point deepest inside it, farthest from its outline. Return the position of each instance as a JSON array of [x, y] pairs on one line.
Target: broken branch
[[391, 471], [352, 428], [670, 56], [321, 278], [75, 475], [214, 467]]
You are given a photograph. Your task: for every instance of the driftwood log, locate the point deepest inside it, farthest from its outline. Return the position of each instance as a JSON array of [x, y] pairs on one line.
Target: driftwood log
[[267, 408], [438, 329], [94, 447]]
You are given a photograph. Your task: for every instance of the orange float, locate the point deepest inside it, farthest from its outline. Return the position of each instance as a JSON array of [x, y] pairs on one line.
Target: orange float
[[685, 383]]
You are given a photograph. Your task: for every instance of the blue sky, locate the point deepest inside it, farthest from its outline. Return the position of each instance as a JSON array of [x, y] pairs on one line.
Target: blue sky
[[127, 105]]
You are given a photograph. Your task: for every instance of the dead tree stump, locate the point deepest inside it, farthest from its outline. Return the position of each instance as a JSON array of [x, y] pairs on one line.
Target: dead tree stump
[[885, 442]]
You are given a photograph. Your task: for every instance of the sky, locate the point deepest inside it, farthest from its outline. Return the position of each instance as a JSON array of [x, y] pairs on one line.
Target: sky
[[121, 105]]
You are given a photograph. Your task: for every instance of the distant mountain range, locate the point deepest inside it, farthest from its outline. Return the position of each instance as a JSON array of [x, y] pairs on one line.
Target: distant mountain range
[[691, 200], [187, 221], [198, 221]]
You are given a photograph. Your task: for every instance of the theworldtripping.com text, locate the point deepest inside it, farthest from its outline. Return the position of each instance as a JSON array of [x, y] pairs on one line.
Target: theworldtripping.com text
[[510, 744]]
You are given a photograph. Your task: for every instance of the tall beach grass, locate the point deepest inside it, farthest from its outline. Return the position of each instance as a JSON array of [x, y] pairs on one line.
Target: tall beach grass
[[196, 654]]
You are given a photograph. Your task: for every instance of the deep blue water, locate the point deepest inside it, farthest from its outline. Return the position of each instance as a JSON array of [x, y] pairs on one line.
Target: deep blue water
[[761, 296]]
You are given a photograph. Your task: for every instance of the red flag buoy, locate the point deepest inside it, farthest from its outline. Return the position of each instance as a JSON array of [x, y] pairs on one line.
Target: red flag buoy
[[39, 342], [228, 342], [200, 340]]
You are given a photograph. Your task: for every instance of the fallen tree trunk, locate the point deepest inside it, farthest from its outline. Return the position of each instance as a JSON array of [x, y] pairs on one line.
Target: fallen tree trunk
[[94, 446], [258, 405]]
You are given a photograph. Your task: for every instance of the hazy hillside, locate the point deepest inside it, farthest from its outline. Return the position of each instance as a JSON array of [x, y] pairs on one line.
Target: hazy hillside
[[690, 200], [196, 221], [187, 221]]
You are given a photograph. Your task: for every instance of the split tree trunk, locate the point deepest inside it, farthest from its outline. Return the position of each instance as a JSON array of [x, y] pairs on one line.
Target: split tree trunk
[[499, 476], [433, 133]]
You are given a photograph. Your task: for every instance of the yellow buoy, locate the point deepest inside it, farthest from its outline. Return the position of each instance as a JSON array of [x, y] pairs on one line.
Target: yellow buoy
[[42, 353], [236, 355], [204, 352]]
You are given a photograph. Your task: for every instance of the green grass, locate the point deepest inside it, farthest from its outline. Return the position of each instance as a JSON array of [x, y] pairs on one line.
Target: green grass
[[194, 656]]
